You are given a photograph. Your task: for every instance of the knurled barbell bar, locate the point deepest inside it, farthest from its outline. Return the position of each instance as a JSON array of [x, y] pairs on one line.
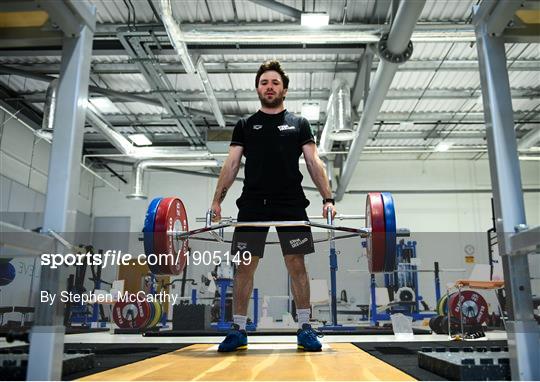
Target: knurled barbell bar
[[166, 232]]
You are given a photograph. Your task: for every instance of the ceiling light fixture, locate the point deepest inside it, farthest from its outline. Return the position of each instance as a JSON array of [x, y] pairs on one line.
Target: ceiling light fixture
[[140, 139], [443, 146], [314, 20]]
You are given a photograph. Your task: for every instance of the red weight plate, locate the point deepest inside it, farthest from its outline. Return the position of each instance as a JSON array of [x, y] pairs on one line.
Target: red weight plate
[[376, 241], [131, 314], [474, 309], [171, 216]]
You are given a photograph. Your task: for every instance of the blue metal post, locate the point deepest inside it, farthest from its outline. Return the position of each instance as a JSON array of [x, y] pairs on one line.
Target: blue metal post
[[333, 269], [223, 286], [255, 306], [194, 296], [372, 287], [416, 287]]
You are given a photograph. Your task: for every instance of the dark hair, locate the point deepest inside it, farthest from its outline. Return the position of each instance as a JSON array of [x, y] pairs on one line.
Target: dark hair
[[275, 66]]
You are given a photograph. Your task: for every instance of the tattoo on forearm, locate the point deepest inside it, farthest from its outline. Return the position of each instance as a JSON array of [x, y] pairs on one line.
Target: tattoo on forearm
[[223, 193]]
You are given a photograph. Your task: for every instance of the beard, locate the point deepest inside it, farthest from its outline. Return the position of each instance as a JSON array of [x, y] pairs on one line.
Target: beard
[[276, 101]]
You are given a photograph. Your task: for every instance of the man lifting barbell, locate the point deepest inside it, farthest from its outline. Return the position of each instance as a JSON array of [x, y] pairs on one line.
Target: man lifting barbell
[[272, 141]]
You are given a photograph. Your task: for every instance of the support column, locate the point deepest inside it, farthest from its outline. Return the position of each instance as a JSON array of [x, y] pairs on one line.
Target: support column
[[47, 337], [523, 336]]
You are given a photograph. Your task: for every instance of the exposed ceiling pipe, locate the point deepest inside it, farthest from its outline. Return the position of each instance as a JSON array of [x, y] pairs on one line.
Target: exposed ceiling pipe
[[127, 148], [176, 36], [393, 50], [341, 103], [117, 139], [530, 139], [338, 125], [50, 106], [209, 91], [325, 143], [330, 35], [141, 166]]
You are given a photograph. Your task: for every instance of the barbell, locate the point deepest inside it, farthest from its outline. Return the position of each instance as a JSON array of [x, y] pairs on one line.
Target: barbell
[[166, 232]]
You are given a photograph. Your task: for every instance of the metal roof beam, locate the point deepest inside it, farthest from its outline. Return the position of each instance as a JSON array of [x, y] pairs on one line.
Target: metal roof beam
[[440, 29], [424, 117], [360, 88], [280, 8], [496, 14], [69, 15], [221, 49], [330, 66], [299, 94]]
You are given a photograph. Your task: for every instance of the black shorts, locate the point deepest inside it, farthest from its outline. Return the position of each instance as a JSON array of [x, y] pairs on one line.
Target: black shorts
[[296, 240]]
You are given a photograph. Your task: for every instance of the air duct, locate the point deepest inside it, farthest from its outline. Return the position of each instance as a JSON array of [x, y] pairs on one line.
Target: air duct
[[394, 48], [50, 106], [177, 39], [117, 139], [126, 147], [341, 103], [176, 36], [338, 125], [209, 91], [141, 166]]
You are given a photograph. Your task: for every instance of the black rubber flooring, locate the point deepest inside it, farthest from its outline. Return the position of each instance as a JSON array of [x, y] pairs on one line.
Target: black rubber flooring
[[403, 355], [108, 356]]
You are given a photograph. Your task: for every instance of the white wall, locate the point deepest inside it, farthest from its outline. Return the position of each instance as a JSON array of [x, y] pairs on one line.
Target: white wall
[[442, 223]]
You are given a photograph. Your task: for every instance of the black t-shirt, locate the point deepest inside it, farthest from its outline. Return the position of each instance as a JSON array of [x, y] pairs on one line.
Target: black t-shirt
[[272, 147]]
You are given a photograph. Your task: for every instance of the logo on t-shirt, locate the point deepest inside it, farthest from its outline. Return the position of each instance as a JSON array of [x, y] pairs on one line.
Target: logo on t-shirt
[[285, 127], [257, 127]]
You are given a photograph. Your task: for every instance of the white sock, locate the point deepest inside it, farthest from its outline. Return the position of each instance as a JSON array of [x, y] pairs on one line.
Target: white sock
[[303, 316], [240, 321]]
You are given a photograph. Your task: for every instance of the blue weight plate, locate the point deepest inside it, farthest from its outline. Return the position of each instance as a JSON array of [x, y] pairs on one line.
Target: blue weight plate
[[390, 229], [149, 228]]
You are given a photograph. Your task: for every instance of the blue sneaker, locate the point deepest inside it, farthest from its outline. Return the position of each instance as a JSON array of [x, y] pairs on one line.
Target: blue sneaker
[[236, 340], [307, 338]]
